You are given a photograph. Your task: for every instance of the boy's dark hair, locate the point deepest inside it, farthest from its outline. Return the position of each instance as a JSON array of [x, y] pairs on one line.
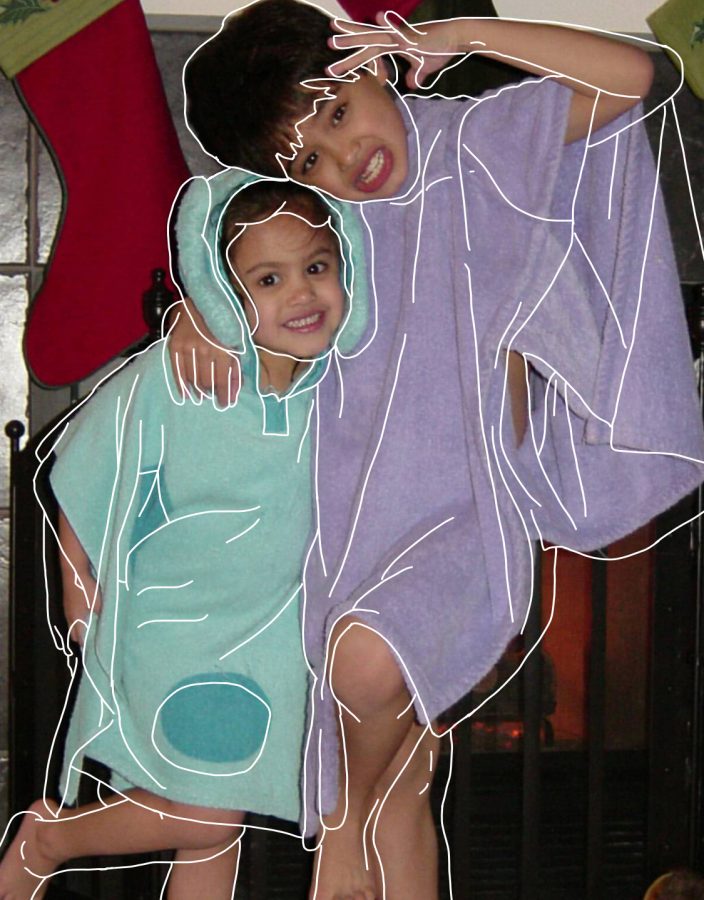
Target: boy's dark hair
[[258, 201], [243, 86]]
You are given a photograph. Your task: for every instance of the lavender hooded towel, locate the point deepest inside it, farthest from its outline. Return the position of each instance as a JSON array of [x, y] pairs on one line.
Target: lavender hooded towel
[[502, 238]]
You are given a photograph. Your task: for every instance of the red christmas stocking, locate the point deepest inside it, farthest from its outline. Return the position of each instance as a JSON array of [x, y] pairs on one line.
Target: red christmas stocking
[[98, 101]]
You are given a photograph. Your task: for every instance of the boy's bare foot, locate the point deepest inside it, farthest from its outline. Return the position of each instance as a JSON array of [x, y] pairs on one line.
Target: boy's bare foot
[[25, 868], [339, 872]]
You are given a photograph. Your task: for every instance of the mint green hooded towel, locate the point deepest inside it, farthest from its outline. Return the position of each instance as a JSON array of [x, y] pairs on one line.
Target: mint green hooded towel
[[196, 521]]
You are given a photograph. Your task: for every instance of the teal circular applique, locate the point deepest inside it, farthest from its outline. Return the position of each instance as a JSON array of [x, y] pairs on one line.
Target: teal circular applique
[[216, 717]]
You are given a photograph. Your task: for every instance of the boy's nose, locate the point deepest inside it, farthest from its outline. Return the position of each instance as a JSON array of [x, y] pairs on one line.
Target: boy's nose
[[346, 152]]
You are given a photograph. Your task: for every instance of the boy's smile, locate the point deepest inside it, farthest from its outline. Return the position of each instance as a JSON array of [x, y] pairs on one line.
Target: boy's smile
[[294, 301], [355, 144]]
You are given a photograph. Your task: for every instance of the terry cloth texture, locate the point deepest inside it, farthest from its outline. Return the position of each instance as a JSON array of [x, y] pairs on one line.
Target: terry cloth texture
[[502, 238], [196, 521]]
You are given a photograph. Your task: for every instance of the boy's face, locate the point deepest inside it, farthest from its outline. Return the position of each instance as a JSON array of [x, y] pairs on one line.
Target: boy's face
[[355, 144], [291, 273]]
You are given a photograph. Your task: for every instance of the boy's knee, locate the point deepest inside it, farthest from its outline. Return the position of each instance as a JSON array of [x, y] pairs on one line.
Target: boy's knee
[[364, 671]]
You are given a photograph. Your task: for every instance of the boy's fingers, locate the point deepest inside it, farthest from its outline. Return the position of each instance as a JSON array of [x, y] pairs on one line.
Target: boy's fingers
[[355, 60], [416, 75], [227, 378], [349, 26], [183, 382], [398, 24], [380, 43]]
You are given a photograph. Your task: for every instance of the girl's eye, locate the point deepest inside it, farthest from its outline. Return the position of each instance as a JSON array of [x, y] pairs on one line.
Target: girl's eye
[[309, 162], [339, 113], [268, 280], [317, 268]]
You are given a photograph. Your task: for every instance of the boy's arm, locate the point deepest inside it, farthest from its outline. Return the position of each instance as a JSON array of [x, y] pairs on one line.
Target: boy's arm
[[198, 362], [590, 64], [81, 593]]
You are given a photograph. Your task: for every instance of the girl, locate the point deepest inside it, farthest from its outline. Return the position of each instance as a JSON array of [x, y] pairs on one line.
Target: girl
[[182, 529]]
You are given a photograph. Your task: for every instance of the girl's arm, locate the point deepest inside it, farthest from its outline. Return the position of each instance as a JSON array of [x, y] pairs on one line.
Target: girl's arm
[[81, 593], [590, 64]]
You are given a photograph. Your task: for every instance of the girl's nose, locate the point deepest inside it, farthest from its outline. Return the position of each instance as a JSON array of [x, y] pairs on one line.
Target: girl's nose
[[301, 293]]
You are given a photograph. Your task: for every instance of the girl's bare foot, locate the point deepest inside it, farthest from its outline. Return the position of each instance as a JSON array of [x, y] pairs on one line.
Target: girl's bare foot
[[26, 867]]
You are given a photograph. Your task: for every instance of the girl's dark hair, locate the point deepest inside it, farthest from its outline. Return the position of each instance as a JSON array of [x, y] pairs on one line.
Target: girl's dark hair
[[243, 87], [257, 201]]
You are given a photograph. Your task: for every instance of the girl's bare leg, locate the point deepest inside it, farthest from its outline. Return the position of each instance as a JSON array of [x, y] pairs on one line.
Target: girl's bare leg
[[138, 822], [211, 873], [376, 717], [24, 864]]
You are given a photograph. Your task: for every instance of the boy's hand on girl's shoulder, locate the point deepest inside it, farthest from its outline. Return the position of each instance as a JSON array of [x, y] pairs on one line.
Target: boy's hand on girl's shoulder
[[428, 46], [199, 364]]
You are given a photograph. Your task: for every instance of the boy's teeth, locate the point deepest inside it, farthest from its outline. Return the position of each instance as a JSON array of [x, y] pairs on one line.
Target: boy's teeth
[[302, 323], [373, 167]]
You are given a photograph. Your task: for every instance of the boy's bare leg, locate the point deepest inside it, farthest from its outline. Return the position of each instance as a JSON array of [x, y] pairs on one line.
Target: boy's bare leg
[[376, 717], [139, 822], [404, 836], [199, 873]]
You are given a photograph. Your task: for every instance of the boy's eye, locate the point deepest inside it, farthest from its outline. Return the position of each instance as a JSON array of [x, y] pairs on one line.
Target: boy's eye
[[309, 162], [317, 268], [268, 280], [339, 113]]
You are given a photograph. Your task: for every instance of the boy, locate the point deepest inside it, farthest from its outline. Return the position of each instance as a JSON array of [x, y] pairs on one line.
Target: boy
[[488, 241]]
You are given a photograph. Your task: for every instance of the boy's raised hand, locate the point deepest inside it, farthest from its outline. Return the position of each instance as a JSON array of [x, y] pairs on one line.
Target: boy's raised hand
[[200, 365], [606, 77], [428, 47]]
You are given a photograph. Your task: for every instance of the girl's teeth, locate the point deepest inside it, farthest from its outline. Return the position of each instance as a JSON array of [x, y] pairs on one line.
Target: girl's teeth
[[374, 167], [302, 323]]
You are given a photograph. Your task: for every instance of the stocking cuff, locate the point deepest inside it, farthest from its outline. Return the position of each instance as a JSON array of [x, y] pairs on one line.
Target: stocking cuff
[[31, 28]]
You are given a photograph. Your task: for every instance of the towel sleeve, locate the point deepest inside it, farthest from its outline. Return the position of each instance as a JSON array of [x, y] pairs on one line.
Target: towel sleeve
[[585, 287], [95, 450]]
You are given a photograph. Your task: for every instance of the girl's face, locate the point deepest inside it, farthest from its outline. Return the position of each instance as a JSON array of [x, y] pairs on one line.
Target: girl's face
[[294, 302]]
